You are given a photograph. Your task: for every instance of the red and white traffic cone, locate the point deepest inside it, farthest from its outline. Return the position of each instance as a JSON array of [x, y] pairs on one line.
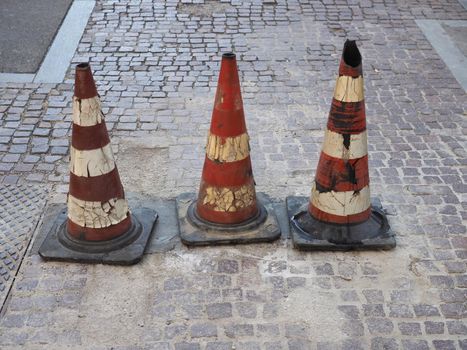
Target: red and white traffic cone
[[97, 208], [340, 214], [227, 191], [99, 226], [227, 201]]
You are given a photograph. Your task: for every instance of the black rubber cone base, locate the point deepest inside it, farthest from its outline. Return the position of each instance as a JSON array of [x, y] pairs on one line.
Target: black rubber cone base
[[311, 234], [195, 231], [127, 249]]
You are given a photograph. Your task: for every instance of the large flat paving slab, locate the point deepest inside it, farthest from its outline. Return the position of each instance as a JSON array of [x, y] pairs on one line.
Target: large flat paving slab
[[27, 29], [21, 208]]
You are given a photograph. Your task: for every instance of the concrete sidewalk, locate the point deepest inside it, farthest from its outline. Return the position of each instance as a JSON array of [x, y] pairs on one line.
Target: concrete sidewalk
[[156, 66]]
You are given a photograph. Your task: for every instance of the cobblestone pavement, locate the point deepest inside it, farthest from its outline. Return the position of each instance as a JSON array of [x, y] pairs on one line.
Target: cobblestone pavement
[[156, 66]]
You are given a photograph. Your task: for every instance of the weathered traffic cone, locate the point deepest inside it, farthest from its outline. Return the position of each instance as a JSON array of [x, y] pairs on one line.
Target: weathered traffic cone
[[227, 209], [339, 214], [99, 226]]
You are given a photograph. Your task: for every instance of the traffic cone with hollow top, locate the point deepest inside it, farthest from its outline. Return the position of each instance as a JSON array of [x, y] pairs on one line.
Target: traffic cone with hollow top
[[340, 214], [227, 191], [98, 218], [227, 198], [97, 208]]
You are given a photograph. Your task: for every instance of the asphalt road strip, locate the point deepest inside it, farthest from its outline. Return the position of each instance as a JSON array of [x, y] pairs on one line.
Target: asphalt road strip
[[60, 53]]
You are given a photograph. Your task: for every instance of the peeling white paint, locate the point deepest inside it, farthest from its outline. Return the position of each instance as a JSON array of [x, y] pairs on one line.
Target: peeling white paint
[[227, 200], [227, 149], [341, 203], [87, 111], [97, 214], [91, 163], [349, 89], [333, 145]]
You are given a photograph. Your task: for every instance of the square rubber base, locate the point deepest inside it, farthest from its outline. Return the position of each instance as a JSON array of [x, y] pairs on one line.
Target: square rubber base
[[53, 249], [193, 235], [303, 241]]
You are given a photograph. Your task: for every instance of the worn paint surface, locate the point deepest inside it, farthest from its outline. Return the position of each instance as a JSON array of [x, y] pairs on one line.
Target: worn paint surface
[[227, 149], [229, 200], [350, 146], [341, 175], [97, 214], [349, 89], [91, 162], [341, 203], [347, 117], [227, 192], [87, 112]]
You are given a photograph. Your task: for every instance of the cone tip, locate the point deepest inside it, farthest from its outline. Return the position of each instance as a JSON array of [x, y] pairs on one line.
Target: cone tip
[[228, 55], [84, 81], [83, 66], [351, 55]]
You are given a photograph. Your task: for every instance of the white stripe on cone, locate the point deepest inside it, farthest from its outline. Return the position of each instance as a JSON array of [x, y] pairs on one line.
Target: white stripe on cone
[[228, 200], [349, 89], [87, 111], [227, 149], [333, 145], [97, 214], [341, 203], [91, 163]]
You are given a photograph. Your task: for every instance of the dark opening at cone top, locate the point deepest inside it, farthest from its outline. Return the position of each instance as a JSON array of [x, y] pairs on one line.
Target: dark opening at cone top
[[85, 86], [82, 66], [351, 54], [228, 55]]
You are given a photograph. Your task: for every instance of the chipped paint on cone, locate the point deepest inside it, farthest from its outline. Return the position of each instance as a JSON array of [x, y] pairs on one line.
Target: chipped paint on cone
[[349, 89], [97, 214], [227, 191], [91, 163], [334, 145], [87, 112], [229, 200], [227, 149], [341, 203]]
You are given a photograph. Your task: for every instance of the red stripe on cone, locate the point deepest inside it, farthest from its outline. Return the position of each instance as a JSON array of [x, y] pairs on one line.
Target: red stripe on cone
[[86, 138], [97, 188], [221, 124], [100, 188], [347, 117], [98, 234], [340, 175], [84, 82], [227, 174], [228, 120], [226, 217], [337, 219]]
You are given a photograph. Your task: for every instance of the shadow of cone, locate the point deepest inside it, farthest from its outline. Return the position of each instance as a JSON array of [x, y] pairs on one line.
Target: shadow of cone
[[227, 205], [339, 215], [98, 225]]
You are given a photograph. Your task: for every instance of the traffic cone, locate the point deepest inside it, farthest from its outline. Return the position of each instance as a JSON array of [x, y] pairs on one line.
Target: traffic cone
[[98, 225], [340, 214], [227, 209]]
